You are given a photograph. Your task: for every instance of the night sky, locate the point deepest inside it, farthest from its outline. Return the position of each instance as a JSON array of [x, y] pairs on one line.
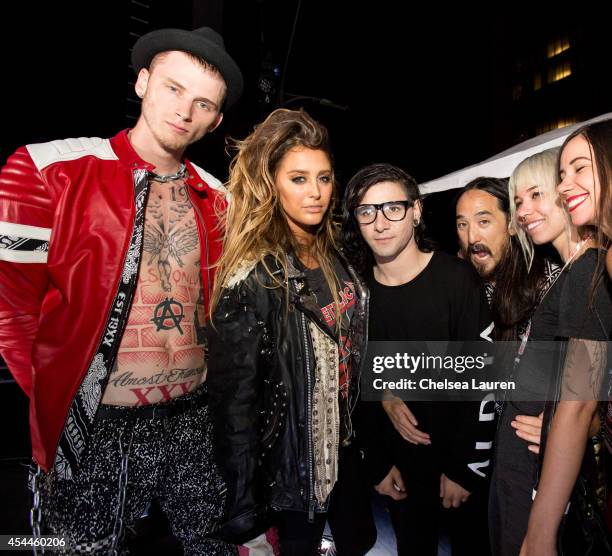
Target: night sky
[[418, 79], [418, 86]]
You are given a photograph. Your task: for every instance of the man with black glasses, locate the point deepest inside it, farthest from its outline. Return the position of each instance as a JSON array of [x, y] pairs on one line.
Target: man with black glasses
[[430, 459]]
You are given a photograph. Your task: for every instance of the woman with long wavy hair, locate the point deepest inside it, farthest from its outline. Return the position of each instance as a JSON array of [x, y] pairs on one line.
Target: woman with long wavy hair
[[287, 329]]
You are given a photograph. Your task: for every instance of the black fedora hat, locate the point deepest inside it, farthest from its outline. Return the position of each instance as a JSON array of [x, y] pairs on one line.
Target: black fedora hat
[[203, 42]]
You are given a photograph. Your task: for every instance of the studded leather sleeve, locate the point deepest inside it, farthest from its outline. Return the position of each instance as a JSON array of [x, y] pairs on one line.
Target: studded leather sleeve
[[237, 355]]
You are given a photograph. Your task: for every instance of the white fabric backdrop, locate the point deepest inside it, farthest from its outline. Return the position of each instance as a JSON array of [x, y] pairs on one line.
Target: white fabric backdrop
[[501, 165]]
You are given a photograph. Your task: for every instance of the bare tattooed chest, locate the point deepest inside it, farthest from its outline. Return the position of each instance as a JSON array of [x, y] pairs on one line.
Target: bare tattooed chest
[[161, 355]]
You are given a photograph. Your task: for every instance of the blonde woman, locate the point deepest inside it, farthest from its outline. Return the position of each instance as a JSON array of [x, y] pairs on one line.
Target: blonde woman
[[287, 330]]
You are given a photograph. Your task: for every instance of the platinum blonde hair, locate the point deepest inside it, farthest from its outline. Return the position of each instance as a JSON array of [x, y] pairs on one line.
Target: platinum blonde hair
[[539, 169]]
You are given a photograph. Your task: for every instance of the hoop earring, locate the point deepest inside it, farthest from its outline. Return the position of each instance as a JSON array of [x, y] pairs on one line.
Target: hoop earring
[[416, 222]]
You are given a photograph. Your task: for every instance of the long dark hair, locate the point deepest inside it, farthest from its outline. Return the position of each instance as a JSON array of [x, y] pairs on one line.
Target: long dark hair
[[496, 187], [517, 289], [516, 292], [354, 246], [599, 137]]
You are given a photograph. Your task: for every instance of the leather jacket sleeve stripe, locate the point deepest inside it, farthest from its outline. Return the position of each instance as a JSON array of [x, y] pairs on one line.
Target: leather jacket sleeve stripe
[[30, 232], [15, 256], [23, 244]]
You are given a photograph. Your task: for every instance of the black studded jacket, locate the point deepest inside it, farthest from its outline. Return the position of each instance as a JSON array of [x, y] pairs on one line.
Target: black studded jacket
[[260, 378]]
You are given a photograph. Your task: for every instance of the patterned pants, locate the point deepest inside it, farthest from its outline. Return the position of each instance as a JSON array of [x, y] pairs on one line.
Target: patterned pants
[[131, 459]]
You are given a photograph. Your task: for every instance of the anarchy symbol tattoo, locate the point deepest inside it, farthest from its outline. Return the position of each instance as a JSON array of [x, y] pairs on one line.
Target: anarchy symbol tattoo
[[168, 315]]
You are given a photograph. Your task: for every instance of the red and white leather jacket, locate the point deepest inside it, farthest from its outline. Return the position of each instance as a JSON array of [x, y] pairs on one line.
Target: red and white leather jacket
[[71, 217]]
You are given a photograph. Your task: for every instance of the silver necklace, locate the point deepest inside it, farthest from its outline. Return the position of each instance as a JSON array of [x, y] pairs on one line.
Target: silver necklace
[[179, 175]]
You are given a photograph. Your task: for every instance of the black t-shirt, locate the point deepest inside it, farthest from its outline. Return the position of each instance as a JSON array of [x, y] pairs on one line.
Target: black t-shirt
[[346, 294], [347, 298], [446, 301], [564, 312]]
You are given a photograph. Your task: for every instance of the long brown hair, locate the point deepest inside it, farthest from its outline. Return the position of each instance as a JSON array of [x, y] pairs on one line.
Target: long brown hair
[[255, 223], [599, 137]]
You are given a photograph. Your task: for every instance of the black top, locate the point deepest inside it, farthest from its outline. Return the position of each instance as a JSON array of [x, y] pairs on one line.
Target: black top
[[564, 312], [446, 301], [346, 295]]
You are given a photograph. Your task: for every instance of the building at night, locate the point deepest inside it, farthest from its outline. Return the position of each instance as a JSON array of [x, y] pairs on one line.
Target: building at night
[[549, 73]]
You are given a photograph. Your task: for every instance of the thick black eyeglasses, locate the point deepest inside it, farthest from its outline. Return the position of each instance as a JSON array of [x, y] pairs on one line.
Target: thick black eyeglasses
[[392, 210]]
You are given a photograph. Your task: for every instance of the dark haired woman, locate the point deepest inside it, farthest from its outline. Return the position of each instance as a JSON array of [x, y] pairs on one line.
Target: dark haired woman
[[586, 178], [561, 348], [586, 188]]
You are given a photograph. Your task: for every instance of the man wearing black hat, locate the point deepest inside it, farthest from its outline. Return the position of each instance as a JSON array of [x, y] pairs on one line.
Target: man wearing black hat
[[106, 255]]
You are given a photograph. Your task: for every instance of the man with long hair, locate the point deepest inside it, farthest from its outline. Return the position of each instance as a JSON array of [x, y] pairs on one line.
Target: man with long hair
[[105, 274], [429, 458], [487, 240]]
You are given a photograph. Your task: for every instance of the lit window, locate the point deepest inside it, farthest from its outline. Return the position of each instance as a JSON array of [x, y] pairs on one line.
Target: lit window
[[558, 72], [537, 81], [557, 46], [556, 123], [564, 122]]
